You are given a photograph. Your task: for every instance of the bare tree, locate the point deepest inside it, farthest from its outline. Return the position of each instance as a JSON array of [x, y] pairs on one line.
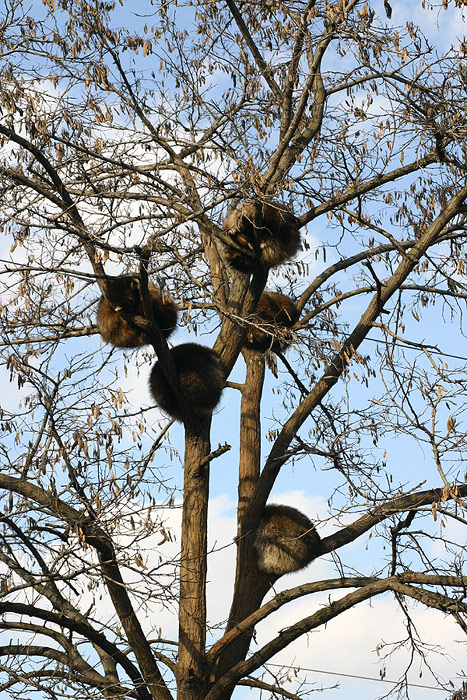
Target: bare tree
[[461, 693], [126, 141]]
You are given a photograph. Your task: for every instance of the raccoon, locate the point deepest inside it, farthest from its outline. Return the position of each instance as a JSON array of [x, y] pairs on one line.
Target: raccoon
[[261, 231], [122, 293], [201, 377], [286, 540], [275, 313]]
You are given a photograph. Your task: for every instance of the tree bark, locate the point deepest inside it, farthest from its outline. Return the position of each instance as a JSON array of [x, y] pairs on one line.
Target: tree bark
[[192, 610], [250, 584], [250, 430]]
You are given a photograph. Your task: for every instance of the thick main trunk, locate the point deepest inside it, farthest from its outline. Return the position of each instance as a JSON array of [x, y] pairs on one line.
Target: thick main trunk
[[192, 612], [250, 430], [250, 584]]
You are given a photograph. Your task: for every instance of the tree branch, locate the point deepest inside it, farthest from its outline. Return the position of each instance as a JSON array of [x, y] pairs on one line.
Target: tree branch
[[342, 359]]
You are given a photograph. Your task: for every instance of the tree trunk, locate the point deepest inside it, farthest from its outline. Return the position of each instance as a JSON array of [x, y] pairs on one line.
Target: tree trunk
[[250, 431], [192, 612], [250, 584]]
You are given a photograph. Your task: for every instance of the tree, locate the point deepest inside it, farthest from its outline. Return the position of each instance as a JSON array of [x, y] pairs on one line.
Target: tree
[[460, 694], [126, 139]]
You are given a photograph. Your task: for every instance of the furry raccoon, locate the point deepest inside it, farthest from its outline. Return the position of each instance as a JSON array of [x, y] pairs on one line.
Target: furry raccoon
[[286, 540], [274, 240], [122, 293], [201, 378], [275, 313]]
